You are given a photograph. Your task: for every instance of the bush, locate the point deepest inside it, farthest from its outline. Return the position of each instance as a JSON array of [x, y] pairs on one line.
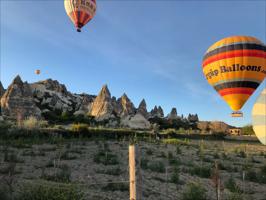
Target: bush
[[248, 130], [231, 185], [157, 166], [194, 191], [175, 176], [234, 196], [51, 192], [33, 123], [64, 175], [106, 158], [79, 127], [203, 172]]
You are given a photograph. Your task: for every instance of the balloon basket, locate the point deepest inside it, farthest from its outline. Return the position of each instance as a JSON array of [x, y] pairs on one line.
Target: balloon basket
[[237, 114]]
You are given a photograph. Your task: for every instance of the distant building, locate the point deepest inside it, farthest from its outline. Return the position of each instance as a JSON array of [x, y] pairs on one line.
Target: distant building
[[235, 131]]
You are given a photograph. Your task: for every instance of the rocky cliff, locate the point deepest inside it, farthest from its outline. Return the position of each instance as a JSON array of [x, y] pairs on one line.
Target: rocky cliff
[[142, 109], [50, 99], [213, 126], [126, 107], [102, 106], [2, 90], [18, 102]]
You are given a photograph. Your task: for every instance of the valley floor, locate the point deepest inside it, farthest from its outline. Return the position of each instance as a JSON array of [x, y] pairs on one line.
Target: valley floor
[[99, 168]]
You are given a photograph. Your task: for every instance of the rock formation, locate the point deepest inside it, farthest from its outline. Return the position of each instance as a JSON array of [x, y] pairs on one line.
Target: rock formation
[[157, 112], [172, 114], [2, 90], [102, 107], [136, 122], [126, 107], [51, 96], [17, 102], [213, 126], [142, 109]]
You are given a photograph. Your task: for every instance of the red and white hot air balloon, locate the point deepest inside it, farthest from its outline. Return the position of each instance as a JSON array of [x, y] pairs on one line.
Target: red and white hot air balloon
[[80, 11]]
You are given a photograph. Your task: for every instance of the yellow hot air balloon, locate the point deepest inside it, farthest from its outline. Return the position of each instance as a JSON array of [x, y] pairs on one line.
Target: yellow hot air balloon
[[235, 67], [80, 11], [259, 117], [37, 71]]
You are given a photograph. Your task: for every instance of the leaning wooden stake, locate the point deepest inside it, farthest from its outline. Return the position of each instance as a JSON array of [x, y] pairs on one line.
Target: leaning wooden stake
[[132, 173]]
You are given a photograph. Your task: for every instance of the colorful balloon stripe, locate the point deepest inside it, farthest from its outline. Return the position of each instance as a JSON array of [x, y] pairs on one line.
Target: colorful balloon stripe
[[236, 53]]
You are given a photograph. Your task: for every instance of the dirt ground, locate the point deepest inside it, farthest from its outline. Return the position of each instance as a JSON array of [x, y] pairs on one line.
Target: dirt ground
[[100, 167]]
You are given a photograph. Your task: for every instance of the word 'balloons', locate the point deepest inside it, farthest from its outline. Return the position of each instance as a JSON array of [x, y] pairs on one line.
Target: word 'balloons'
[[235, 67], [259, 117], [80, 11]]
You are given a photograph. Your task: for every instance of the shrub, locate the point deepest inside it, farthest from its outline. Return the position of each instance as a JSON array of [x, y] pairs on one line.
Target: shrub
[[194, 191], [116, 187], [51, 192], [234, 196], [106, 158], [157, 166], [203, 172], [175, 176], [33, 123], [64, 175], [231, 185], [79, 127], [144, 163]]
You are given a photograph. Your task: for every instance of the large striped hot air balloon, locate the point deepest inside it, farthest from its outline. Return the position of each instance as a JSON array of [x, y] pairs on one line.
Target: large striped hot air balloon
[[80, 11], [259, 117], [235, 67]]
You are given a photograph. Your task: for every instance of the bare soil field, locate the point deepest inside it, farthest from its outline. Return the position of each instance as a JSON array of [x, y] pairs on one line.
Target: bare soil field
[[99, 168]]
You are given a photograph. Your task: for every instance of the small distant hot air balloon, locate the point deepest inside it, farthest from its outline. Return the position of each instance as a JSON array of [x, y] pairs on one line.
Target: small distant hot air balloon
[[235, 67], [80, 11], [37, 71], [259, 117]]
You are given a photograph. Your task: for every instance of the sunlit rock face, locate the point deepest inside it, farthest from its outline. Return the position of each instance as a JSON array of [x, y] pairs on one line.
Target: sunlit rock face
[[126, 107], [102, 107], [18, 102]]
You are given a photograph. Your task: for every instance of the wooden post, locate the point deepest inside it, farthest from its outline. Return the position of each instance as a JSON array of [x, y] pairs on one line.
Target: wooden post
[[132, 173]]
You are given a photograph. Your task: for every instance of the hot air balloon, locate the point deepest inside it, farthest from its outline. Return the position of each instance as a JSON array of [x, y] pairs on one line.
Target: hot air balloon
[[235, 67], [37, 71], [259, 117], [80, 11]]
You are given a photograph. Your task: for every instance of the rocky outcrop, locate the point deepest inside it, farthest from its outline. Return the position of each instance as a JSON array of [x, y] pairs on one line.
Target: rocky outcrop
[[213, 126], [125, 106], [2, 90], [18, 103], [135, 122], [102, 107], [157, 112], [142, 109], [172, 114], [85, 104], [51, 96]]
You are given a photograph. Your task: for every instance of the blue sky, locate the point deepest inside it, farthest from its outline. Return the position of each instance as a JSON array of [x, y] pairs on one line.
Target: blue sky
[[148, 49]]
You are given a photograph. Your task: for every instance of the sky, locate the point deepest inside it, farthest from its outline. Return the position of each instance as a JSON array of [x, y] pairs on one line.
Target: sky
[[148, 49]]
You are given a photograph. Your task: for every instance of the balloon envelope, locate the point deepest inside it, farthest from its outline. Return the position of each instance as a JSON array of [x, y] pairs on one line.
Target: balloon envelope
[[235, 67], [80, 11], [37, 71], [259, 117]]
